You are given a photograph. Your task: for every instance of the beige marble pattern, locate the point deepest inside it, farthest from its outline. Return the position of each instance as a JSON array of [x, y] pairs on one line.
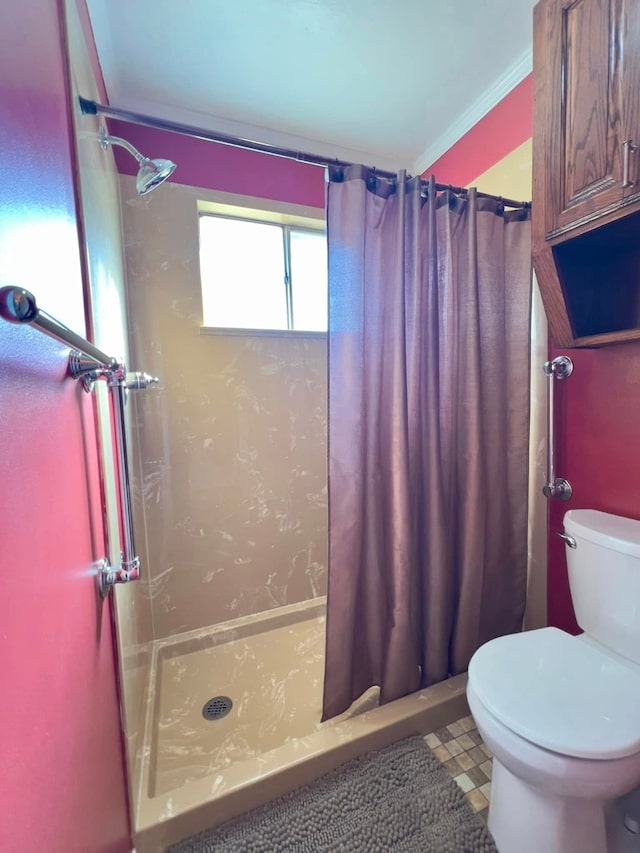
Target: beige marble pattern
[[231, 472], [276, 698], [197, 773], [272, 669]]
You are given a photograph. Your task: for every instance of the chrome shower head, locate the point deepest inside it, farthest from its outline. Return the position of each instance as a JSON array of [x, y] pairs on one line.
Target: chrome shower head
[[151, 172]]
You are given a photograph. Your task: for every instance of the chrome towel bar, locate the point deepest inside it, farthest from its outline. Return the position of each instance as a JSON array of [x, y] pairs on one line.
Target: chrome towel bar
[[555, 487], [19, 306], [89, 364]]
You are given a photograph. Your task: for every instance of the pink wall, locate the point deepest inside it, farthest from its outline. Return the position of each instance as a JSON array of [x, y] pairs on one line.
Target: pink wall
[[61, 759], [222, 167], [599, 406], [599, 451]]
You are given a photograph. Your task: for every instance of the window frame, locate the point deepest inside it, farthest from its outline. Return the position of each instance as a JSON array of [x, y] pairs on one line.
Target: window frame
[[278, 215]]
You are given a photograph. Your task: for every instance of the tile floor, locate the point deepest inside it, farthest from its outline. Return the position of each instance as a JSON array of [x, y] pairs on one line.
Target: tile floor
[[466, 757]]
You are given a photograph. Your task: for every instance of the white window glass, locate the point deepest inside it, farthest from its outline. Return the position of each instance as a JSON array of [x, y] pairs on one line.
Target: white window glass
[[242, 271], [309, 280]]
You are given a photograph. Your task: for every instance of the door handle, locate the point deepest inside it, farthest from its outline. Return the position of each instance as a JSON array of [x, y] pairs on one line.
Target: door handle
[[628, 148]]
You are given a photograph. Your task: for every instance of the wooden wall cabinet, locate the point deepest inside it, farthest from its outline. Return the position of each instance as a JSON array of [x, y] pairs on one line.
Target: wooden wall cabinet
[[586, 168]]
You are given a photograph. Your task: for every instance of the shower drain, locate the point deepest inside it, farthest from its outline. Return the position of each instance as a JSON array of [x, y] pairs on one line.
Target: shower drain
[[217, 708]]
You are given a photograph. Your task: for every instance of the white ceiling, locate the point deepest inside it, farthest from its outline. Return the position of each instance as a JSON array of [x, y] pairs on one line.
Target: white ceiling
[[391, 83]]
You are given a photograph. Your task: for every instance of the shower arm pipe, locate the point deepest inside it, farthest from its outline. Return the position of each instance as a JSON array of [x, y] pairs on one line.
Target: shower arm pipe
[[555, 487], [89, 364], [89, 107], [107, 140]]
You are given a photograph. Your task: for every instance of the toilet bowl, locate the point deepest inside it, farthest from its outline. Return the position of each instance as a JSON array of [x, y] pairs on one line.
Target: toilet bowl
[[553, 777], [561, 714]]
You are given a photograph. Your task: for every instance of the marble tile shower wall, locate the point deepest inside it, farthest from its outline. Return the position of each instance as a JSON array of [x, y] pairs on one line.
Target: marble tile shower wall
[[230, 475]]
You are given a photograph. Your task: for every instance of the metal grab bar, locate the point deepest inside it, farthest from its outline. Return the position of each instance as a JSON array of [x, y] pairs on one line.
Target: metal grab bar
[[129, 568], [89, 364], [555, 487]]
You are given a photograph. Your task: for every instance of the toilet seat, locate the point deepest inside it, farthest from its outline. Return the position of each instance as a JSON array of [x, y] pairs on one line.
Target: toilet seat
[[560, 693]]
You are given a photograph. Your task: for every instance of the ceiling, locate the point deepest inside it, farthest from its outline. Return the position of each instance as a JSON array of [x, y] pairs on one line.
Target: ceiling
[[391, 83]]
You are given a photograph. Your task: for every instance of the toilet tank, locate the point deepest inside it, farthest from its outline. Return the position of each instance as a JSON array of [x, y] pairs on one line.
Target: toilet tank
[[604, 576]]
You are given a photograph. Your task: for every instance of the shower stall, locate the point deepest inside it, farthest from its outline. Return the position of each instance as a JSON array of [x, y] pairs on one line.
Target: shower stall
[[230, 491]]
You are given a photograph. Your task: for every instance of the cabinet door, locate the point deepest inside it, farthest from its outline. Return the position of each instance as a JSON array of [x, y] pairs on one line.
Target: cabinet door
[[630, 65], [584, 111]]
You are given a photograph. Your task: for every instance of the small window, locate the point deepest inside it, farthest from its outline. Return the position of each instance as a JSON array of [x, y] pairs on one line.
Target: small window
[[262, 275]]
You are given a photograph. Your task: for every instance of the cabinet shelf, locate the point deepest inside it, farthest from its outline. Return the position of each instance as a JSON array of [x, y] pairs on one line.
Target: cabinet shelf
[[600, 277]]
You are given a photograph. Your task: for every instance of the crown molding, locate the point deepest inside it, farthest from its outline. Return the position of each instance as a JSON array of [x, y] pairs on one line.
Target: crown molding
[[471, 116]]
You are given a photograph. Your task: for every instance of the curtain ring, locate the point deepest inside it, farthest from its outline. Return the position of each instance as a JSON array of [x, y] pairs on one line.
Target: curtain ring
[[524, 211]]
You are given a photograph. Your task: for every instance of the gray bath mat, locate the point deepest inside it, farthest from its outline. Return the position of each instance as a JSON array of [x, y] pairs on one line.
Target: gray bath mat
[[399, 799]]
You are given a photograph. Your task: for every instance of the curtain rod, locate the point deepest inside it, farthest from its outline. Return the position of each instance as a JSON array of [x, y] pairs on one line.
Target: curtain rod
[[92, 108]]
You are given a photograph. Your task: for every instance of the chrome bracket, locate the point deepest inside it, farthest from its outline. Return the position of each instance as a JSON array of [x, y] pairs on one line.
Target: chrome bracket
[[109, 576], [560, 368], [103, 137], [560, 488], [139, 381], [88, 370]]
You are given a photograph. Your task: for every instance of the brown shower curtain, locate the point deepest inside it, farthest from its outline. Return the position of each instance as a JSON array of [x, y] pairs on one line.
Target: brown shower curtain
[[429, 319]]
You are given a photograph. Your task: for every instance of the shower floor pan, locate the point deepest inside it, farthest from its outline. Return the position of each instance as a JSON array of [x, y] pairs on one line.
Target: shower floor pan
[[198, 772]]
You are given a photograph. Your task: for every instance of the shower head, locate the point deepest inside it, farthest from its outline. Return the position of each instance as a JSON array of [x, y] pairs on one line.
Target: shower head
[[151, 172]]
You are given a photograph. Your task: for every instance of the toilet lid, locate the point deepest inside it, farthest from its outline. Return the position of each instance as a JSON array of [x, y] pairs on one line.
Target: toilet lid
[[560, 693]]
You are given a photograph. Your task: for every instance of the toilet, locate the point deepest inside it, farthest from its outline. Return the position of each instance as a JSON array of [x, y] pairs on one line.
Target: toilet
[[561, 714]]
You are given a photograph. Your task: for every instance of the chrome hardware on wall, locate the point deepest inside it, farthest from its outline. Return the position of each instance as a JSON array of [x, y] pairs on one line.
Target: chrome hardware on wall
[[89, 364], [555, 487], [568, 540]]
